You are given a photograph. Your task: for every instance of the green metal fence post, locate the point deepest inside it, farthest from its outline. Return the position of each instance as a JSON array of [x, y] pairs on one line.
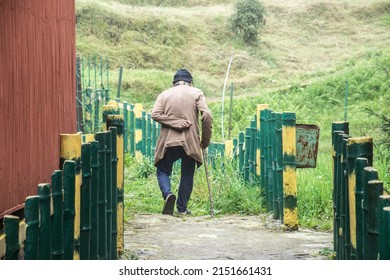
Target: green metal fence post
[[337, 128], [346, 250], [255, 150], [384, 233], [279, 166], [361, 163], [340, 189], [247, 152], [263, 162], [132, 130], [268, 171], [114, 194], [149, 136], [56, 219], [271, 178], [69, 177], [241, 139], [143, 149], [97, 107], [375, 189], [102, 253], [108, 135], [94, 246], [275, 203], [31, 210], [235, 150], [369, 174], [290, 211], [154, 137], [85, 205], [117, 122], [259, 121], [11, 229], [337, 194], [70, 149], [357, 147], [138, 129], [44, 222], [126, 127]]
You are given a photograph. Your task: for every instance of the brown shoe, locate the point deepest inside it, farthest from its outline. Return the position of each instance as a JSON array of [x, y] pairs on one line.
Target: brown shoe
[[169, 204]]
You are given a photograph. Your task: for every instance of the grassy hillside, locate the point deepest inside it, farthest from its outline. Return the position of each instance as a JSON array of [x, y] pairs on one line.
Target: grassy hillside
[[306, 53], [301, 43]]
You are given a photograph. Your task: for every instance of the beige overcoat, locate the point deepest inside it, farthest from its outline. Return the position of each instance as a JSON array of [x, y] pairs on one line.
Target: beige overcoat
[[175, 109]]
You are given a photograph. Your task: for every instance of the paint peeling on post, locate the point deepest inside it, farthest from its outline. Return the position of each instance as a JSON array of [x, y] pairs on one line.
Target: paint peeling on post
[[112, 108], [57, 219], [94, 246], [11, 229], [360, 164], [102, 199], [357, 147], [138, 129], [69, 174], [44, 252], [369, 174], [117, 121], [71, 150], [260, 107], [290, 212], [32, 230]]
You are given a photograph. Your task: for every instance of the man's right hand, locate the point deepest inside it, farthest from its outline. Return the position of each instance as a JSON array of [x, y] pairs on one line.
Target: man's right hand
[[185, 125]]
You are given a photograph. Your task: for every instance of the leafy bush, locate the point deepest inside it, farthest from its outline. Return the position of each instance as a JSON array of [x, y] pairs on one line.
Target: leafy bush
[[248, 19]]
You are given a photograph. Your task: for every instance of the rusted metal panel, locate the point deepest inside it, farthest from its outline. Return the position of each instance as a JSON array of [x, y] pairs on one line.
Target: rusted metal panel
[[307, 136], [37, 93]]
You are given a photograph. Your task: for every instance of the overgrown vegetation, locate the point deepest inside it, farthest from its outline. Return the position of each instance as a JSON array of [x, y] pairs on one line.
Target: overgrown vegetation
[[248, 19], [306, 55], [230, 194]]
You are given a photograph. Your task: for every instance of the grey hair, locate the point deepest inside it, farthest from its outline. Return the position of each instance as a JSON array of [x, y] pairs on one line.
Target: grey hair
[[180, 83]]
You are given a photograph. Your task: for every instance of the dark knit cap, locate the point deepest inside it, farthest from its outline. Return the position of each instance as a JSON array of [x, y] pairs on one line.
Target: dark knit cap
[[182, 75]]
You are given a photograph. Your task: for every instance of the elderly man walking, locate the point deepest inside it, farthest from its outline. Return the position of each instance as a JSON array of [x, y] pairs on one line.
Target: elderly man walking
[[178, 109]]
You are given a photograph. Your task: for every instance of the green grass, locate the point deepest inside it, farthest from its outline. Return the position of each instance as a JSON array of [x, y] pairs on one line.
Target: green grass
[[315, 206], [230, 194], [306, 53]]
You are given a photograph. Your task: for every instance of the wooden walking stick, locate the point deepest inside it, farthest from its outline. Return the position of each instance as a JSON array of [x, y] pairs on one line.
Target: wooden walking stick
[[208, 182]]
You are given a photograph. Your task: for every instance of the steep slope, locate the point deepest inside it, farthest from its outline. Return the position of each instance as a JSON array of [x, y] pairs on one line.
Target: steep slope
[[301, 42]]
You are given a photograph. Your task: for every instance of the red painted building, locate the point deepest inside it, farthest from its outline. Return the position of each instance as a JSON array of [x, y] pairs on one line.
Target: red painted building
[[37, 93]]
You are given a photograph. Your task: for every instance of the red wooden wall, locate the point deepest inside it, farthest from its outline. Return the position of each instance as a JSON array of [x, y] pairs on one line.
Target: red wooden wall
[[37, 93]]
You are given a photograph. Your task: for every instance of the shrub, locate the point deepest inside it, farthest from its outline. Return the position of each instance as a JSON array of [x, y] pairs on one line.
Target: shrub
[[248, 19]]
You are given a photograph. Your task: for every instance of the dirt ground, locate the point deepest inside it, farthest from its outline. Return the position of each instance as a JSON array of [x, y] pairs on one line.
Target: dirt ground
[[164, 237]]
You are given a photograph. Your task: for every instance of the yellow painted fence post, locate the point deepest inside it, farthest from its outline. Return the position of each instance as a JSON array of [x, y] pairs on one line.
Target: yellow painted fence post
[[118, 122], [259, 108], [290, 211], [71, 150]]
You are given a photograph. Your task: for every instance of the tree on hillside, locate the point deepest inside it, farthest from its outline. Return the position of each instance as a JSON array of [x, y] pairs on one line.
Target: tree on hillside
[[248, 19]]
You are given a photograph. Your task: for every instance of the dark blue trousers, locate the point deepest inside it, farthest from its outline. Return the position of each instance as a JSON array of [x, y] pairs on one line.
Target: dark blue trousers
[[164, 171]]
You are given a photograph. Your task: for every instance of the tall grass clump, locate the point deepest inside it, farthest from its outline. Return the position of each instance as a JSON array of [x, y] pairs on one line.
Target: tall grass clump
[[315, 205]]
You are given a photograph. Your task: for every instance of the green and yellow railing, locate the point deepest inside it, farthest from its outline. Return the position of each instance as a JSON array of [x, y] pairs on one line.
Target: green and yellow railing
[[79, 214], [267, 156], [361, 205]]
